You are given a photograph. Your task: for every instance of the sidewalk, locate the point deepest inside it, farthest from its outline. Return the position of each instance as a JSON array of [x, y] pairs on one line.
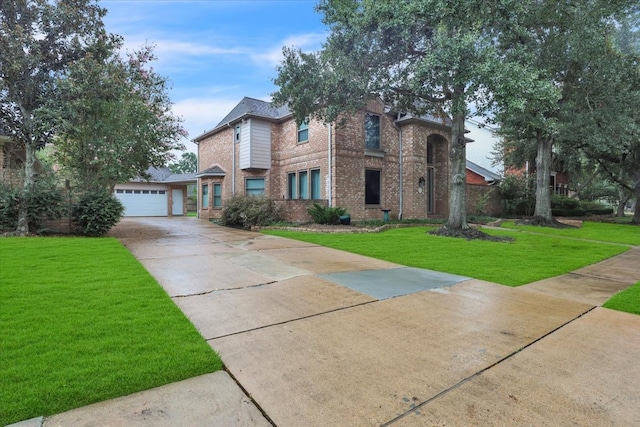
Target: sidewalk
[[315, 336]]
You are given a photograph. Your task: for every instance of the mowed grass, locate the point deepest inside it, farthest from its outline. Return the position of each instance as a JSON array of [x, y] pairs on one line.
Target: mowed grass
[[627, 300], [615, 233], [530, 257], [82, 321]]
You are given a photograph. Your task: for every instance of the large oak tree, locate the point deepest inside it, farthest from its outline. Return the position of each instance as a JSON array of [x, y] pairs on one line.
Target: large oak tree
[[38, 41], [418, 56]]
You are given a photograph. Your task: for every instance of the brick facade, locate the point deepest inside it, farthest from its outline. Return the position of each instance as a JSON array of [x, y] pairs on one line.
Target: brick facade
[[338, 152]]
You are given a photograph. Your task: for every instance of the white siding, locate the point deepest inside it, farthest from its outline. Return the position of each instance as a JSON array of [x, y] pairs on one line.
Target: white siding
[[255, 145]]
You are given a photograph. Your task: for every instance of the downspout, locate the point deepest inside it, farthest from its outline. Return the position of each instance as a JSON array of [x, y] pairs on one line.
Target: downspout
[[233, 159], [329, 167], [198, 187], [400, 164]]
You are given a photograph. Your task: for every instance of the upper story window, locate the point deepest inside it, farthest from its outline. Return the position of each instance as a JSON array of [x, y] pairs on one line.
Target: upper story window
[[371, 131], [303, 131], [237, 130]]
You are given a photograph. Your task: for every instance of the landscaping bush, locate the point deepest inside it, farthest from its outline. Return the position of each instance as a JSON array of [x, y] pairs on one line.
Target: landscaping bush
[[247, 211], [568, 212], [518, 194], [564, 203], [595, 208], [96, 213], [326, 214], [44, 202]]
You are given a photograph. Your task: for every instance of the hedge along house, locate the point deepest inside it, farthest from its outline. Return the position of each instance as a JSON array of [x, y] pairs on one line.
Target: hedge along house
[[378, 160]]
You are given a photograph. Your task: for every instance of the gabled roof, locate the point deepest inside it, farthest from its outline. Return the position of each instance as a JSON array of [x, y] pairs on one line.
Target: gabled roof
[[251, 107], [213, 171], [248, 107], [485, 173], [444, 121], [164, 175]]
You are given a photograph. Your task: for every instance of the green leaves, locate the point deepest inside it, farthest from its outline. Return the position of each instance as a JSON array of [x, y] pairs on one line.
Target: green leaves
[[114, 119]]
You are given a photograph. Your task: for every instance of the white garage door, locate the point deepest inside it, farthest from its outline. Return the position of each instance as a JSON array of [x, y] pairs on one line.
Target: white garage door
[[143, 202]]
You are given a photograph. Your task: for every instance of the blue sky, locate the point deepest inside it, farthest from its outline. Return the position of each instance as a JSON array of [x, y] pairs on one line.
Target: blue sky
[[214, 52]]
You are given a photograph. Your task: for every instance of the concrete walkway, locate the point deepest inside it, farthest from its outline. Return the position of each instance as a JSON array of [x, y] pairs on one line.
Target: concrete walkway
[[312, 336]]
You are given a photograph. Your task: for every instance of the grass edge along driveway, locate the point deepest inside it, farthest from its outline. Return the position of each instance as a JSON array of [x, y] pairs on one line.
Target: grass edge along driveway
[[529, 258], [82, 321]]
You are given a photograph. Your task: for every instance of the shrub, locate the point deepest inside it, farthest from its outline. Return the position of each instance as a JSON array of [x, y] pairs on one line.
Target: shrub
[[326, 214], [247, 211], [564, 203], [518, 194], [96, 213], [44, 202]]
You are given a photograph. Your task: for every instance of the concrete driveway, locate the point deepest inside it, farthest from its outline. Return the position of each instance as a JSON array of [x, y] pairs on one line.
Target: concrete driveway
[[319, 337]]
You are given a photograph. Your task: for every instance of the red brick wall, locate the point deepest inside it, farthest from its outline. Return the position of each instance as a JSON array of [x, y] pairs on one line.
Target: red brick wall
[[296, 210], [474, 178], [493, 206]]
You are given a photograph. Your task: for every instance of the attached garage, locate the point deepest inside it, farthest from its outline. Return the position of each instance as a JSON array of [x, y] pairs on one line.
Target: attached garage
[[163, 194], [143, 201]]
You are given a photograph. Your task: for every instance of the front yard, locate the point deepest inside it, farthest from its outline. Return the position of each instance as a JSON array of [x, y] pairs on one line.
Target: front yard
[[82, 321], [530, 257]]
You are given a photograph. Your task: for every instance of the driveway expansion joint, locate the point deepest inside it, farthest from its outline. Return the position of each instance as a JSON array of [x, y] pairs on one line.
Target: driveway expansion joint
[[441, 393], [249, 396], [293, 320]]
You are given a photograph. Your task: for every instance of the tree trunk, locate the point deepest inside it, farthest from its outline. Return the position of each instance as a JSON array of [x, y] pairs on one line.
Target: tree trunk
[[623, 198], [542, 212], [29, 176], [636, 192], [457, 186]]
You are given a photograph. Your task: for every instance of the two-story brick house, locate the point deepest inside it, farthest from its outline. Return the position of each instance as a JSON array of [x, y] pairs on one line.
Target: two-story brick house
[[376, 160]]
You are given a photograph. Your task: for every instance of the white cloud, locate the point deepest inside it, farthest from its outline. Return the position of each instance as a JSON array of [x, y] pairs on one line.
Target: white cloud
[[202, 114], [273, 56]]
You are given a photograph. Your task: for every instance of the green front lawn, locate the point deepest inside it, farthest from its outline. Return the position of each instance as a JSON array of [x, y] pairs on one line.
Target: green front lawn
[[529, 258], [605, 232], [627, 300], [82, 321]]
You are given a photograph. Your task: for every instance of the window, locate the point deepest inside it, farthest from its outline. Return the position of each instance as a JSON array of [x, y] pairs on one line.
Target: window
[[291, 185], [238, 133], [371, 187], [205, 195], [430, 191], [254, 186], [120, 191], [303, 185], [315, 184], [145, 191], [303, 131], [371, 131], [430, 153], [161, 191], [217, 195]]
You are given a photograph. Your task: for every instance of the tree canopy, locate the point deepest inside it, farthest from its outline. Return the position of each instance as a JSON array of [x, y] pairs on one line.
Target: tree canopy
[[418, 56], [188, 163], [571, 47], [39, 39], [114, 119]]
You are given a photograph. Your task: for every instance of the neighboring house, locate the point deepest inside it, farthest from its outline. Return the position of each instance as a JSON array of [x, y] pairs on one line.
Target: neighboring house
[[377, 160], [483, 144], [478, 175], [163, 194]]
